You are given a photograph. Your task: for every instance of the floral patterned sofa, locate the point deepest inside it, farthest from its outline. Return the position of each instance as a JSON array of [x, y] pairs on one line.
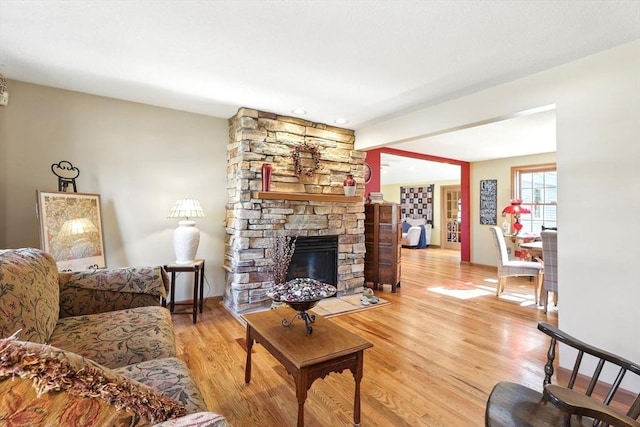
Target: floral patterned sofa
[[90, 348]]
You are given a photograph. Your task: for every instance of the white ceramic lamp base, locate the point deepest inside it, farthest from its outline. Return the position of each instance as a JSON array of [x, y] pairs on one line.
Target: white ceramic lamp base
[[186, 239]]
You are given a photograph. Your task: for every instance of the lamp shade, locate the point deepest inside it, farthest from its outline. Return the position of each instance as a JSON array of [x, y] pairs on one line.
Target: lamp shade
[[186, 237], [186, 208], [515, 208]]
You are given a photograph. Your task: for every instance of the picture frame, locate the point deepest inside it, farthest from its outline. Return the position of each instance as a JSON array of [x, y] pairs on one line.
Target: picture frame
[[71, 229]]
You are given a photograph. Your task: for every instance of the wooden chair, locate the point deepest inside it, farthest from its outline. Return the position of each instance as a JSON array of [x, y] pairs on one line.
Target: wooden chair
[[507, 268], [511, 404], [550, 259]]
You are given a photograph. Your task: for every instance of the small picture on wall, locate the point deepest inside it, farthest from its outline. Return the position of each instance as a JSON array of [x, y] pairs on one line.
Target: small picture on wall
[[489, 201], [71, 229]]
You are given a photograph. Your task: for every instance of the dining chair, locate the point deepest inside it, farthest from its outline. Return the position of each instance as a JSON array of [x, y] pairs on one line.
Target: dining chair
[[550, 259], [509, 268]]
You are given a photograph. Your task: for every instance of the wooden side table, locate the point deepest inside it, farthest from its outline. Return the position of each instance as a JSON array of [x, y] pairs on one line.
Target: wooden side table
[[197, 268], [330, 348]]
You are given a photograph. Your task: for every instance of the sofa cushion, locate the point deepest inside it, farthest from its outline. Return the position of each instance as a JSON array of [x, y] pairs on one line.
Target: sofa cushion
[[29, 296], [170, 376], [118, 338], [43, 385]]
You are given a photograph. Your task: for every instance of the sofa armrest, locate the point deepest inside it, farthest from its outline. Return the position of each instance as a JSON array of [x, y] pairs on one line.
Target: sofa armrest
[[98, 291]]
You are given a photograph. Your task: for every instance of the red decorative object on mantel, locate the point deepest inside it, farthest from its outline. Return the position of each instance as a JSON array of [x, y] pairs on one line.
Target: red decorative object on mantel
[[349, 186], [266, 176], [515, 209]]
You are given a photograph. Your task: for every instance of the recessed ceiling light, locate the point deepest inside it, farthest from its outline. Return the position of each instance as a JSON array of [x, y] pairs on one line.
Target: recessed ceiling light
[[299, 111], [341, 121]]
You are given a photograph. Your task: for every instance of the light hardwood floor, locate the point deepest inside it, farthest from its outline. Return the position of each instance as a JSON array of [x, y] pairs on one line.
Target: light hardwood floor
[[434, 360]]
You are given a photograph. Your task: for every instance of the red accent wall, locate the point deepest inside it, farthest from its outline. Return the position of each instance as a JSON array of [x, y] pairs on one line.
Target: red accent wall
[[373, 158]]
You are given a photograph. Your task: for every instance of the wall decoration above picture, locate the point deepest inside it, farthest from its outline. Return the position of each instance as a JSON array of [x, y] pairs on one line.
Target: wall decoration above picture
[[67, 174], [71, 229]]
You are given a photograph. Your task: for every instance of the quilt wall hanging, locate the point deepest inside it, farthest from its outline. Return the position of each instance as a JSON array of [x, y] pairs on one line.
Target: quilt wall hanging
[[417, 202]]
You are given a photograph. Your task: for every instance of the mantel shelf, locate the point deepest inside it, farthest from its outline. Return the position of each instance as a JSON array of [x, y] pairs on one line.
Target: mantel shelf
[[277, 195]]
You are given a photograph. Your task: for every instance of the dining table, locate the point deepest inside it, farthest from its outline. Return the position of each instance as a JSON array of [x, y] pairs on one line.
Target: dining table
[[534, 248]]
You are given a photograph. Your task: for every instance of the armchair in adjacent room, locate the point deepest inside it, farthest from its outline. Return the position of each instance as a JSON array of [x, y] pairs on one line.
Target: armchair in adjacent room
[[416, 233], [411, 237]]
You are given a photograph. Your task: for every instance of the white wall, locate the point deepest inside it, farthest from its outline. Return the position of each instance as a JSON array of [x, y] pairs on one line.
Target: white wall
[[598, 158], [139, 158]]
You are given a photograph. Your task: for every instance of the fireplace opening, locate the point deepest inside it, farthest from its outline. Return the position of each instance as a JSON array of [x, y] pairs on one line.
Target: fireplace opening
[[315, 257]]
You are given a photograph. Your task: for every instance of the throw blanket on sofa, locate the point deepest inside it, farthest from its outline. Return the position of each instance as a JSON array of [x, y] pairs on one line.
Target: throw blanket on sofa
[[422, 243]]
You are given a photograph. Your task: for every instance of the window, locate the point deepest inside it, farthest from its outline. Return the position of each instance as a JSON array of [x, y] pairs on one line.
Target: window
[[537, 186]]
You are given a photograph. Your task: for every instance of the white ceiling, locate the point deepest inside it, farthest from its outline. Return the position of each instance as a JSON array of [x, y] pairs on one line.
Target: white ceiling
[[360, 60], [520, 135], [406, 170]]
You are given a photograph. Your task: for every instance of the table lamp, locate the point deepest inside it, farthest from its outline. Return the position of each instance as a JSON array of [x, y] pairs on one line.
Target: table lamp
[[515, 210], [186, 237]]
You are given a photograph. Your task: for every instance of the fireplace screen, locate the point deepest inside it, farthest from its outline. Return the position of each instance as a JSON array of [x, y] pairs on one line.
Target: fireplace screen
[[315, 257]]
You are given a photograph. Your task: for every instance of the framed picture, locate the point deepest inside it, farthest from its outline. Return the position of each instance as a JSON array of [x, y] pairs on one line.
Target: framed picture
[[71, 229]]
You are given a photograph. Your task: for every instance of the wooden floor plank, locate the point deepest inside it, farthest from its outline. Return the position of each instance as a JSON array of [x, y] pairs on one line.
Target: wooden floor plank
[[434, 361]]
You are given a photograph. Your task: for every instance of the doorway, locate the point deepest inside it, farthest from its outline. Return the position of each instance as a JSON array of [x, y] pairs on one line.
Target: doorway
[[451, 218]]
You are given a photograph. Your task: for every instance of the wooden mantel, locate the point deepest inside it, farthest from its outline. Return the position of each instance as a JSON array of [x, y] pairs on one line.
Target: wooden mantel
[[310, 197]]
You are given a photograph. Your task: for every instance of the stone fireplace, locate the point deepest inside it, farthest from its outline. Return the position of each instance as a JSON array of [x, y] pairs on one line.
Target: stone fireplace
[[295, 205]]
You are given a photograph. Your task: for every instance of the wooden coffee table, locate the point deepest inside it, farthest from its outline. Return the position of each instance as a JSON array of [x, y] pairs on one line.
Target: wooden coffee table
[[329, 348]]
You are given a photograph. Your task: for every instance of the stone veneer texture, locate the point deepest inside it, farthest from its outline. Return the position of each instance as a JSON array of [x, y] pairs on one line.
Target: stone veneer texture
[[255, 138]]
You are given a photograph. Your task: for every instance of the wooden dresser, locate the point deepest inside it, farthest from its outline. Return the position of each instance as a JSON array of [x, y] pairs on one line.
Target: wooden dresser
[[383, 236]]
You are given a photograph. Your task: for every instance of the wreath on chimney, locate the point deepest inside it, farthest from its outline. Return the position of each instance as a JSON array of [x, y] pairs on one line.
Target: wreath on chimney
[[297, 161]]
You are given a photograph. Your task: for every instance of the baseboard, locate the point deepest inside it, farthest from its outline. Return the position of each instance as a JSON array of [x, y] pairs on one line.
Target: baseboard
[[483, 266]]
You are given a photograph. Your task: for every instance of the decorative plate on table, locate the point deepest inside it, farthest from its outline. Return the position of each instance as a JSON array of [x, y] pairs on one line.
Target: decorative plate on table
[[301, 294]]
